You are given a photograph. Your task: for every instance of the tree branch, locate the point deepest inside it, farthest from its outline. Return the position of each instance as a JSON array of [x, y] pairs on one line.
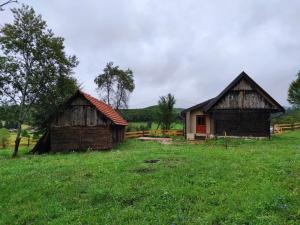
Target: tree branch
[[6, 3]]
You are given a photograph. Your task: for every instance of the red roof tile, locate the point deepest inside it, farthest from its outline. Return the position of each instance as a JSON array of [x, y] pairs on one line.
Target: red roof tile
[[106, 109]]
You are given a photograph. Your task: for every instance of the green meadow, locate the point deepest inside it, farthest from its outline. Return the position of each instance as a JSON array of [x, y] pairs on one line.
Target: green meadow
[[250, 182]]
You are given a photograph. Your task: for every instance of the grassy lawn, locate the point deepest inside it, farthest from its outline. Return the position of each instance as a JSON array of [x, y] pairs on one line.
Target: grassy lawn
[[252, 182]]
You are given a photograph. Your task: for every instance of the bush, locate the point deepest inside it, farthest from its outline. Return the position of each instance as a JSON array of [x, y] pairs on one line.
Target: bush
[[4, 137], [26, 134]]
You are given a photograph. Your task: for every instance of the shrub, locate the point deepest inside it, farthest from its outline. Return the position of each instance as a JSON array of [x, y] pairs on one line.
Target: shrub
[[26, 134], [4, 137]]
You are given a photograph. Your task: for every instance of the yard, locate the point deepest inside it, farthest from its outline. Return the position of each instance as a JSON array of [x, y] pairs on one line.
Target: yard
[[251, 182]]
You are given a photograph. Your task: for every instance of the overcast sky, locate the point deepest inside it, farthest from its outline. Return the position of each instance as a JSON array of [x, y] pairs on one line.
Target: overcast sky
[[190, 48]]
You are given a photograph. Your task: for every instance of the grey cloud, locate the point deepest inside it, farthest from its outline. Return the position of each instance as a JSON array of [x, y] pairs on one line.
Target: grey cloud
[[190, 48]]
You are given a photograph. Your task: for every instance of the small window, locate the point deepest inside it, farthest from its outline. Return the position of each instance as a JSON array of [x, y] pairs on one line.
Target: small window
[[201, 120]]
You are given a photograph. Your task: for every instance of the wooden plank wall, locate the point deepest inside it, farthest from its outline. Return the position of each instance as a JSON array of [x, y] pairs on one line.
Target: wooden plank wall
[[80, 138], [243, 96], [242, 123], [80, 113]]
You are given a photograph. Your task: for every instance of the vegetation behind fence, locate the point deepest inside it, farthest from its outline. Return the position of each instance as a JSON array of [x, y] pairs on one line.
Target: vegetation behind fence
[[147, 133], [279, 128]]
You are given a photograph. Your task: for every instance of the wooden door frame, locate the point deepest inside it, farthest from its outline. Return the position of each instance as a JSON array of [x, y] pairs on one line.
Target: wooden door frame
[[205, 123]]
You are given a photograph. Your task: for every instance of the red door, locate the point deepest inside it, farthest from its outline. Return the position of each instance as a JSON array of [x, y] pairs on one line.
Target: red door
[[201, 125]]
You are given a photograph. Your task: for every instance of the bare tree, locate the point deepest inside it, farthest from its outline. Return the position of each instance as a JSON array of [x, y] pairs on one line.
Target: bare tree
[[6, 3]]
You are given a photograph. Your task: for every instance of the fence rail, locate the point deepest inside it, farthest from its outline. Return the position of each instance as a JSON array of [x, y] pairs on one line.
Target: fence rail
[[147, 133], [279, 128]]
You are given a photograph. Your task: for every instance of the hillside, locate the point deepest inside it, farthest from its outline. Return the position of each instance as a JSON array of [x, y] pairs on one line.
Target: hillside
[[291, 115]]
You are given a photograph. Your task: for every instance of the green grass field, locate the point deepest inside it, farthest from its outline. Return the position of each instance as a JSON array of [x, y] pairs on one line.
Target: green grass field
[[252, 182]]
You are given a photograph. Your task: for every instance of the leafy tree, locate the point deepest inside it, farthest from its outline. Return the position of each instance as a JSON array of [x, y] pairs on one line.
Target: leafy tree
[[10, 124], [294, 92], [8, 112], [4, 137], [1, 124], [51, 101], [32, 63], [115, 85], [26, 134], [166, 114]]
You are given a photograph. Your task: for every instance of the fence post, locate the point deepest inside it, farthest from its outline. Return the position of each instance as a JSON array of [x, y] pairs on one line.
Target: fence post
[[225, 137], [293, 126]]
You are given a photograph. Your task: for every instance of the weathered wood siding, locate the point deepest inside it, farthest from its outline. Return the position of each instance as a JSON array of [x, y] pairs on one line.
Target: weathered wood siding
[[243, 111], [80, 138], [242, 123], [80, 113], [242, 96], [118, 133]]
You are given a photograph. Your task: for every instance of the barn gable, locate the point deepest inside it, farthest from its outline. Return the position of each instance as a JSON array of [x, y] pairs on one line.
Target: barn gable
[[244, 93], [80, 112]]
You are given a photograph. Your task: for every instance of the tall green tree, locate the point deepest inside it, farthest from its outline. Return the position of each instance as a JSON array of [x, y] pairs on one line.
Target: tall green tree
[[294, 92], [166, 113], [32, 63], [115, 85], [51, 101]]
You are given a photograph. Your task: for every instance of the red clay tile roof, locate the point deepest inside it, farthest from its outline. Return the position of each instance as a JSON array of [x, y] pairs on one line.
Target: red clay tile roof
[[106, 109]]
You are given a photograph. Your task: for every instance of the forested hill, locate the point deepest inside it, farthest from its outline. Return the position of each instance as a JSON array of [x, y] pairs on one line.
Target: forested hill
[[144, 114]]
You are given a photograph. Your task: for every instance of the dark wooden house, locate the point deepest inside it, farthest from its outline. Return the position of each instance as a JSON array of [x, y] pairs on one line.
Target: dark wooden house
[[84, 122], [243, 108]]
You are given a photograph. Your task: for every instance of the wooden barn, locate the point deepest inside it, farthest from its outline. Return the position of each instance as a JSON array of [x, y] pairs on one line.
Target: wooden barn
[[243, 108], [84, 122]]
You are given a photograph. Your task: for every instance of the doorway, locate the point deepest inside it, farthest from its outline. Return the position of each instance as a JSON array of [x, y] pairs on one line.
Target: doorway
[[201, 124]]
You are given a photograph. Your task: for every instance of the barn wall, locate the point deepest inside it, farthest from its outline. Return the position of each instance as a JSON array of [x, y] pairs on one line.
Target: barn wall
[[118, 133], [244, 100], [80, 113], [80, 138], [243, 96], [242, 123]]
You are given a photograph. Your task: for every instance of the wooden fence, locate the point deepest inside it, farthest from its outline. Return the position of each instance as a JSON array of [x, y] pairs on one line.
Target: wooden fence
[[279, 128], [149, 133], [23, 142]]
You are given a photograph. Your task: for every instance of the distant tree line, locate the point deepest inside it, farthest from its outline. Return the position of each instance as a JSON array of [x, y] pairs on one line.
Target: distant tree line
[[148, 114]]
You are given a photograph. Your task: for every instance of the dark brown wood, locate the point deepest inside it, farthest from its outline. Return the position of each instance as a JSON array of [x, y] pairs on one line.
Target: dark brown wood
[[81, 138], [242, 122]]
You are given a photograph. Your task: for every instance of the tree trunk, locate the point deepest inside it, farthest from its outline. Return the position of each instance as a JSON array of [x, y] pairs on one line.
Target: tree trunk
[[17, 141]]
